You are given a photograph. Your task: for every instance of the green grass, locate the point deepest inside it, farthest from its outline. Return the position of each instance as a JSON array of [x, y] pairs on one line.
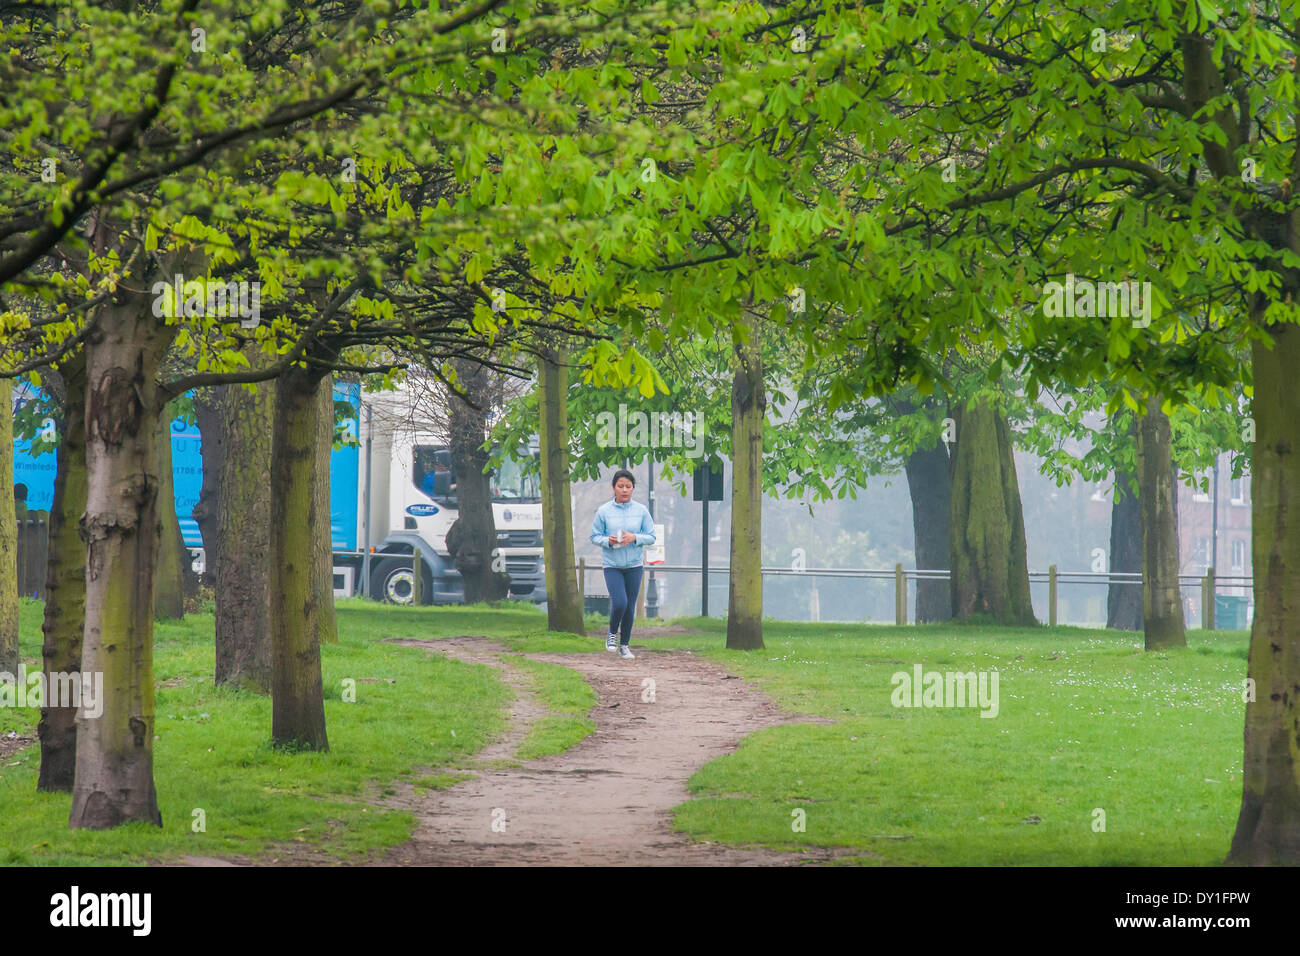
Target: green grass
[[379, 621], [538, 640], [438, 781], [211, 752], [568, 699], [521, 627], [1087, 721]]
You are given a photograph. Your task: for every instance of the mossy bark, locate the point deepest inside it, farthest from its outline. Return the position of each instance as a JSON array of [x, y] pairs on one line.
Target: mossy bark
[[297, 702], [169, 572], [990, 572], [930, 484], [563, 602], [1124, 600], [209, 411], [114, 776], [1162, 604], [65, 584], [748, 412], [1268, 827], [323, 540], [8, 536], [242, 534], [472, 539]]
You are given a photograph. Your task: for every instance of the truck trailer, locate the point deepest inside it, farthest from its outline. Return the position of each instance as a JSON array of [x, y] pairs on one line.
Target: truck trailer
[[406, 502], [392, 492]]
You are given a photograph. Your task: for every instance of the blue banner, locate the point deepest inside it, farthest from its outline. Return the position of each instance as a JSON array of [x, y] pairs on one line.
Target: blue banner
[[344, 464], [37, 472]]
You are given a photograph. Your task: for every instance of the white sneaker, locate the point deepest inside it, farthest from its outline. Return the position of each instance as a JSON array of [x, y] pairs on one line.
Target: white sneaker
[[611, 643], [625, 652]]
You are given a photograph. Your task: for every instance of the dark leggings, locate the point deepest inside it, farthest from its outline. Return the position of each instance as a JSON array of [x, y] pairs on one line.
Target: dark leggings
[[623, 584]]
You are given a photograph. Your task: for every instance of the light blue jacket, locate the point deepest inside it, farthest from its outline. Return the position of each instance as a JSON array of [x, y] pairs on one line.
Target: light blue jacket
[[611, 518]]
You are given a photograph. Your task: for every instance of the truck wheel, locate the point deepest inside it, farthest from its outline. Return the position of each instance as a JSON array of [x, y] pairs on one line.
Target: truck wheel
[[393, 583]]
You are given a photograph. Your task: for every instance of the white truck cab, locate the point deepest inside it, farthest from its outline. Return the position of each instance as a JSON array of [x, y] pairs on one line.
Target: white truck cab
[[408, 497]]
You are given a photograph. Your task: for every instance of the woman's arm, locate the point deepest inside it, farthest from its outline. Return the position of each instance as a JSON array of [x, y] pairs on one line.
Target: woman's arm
[[598, 534], [646, 536]]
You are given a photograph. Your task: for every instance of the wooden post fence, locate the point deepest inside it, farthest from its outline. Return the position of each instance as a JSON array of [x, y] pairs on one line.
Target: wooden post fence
[[582, 583], [1051, 595], [1207, 600], [900, 595]]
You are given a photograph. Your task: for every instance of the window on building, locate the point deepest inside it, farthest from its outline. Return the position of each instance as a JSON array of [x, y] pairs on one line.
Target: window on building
[[1239, 554], [1201, 553], [1239, 491], [1203, 479]]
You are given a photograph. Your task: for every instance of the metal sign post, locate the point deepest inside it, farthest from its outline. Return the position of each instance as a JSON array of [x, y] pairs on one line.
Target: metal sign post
[[652, 592], [708, 487], [704, 560]]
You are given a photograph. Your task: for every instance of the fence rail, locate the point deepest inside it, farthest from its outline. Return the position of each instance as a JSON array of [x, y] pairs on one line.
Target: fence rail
[[1052, 577]]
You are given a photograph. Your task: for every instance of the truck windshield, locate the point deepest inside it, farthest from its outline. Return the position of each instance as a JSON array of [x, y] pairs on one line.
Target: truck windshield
[[509, 483]]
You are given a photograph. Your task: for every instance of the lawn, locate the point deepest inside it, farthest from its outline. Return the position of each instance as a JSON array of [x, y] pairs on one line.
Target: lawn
[[1091, 731], [223, 790], [1100, 754]]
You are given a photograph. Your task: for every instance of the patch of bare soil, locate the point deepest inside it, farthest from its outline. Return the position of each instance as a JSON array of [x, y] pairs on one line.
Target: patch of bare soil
[[606, 801], [12, 742], [649, 633]]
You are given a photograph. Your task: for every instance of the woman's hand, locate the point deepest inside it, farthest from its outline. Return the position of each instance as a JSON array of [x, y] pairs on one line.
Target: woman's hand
[[613, 541], [626, 537]]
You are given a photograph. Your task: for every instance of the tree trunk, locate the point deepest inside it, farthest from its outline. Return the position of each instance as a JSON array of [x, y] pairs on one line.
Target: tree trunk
[[323, 540], [748, 412], [990, 573], [472, 539], [114, 775], [1124, 601], [297, 708], [930, 484], [1268, 827], [563, 602], [242, 535], [65, 584], [8, 536], [169, 572], [1162, 605], [209, 410]]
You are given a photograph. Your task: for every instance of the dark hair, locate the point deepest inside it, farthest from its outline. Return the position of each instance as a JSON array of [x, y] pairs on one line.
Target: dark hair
[[623, 473]]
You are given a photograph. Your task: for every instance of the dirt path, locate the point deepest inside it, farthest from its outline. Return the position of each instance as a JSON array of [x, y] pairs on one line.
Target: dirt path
[[605, 801], [13, 742]]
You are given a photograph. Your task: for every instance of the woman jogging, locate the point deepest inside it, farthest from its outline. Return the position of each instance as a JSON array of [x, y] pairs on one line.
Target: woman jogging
[[622, 528]]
